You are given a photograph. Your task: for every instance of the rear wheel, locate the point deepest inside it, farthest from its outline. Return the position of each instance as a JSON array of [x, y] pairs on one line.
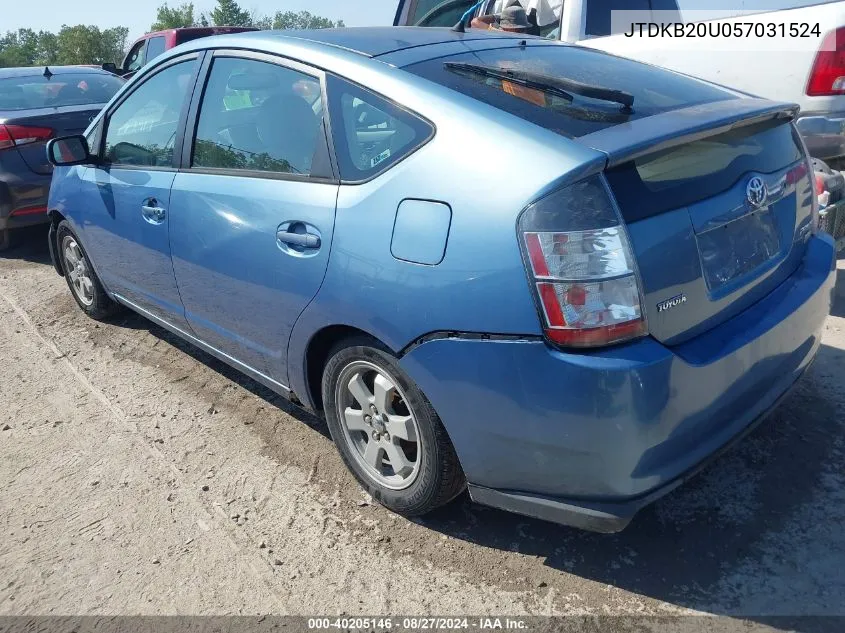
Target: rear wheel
[[81, 278], [387, 432], [5, 240]]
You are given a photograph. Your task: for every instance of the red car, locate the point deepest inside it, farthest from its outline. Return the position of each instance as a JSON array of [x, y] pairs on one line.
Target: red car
[[152, 45]]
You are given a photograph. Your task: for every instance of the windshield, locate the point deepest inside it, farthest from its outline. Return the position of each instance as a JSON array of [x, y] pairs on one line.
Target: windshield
[[37, 91], [652, 90]]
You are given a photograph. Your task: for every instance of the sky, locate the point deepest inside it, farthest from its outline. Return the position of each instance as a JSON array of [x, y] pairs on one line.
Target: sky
[[138, 15]]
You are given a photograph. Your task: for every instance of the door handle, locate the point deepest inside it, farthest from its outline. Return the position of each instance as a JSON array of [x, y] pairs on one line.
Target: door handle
[[153, 213], [302, 240]]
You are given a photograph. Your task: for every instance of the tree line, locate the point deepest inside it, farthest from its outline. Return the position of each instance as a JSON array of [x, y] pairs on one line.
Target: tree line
[[230, 13], [85, 44]]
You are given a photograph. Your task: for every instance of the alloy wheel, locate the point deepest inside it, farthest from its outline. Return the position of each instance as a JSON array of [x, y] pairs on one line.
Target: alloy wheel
[[77, 271], [379, 427]]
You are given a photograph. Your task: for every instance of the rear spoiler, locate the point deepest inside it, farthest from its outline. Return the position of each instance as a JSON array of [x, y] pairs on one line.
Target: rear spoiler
[[629, 141]]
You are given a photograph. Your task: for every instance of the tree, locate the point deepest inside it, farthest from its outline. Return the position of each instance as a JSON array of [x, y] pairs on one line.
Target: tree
[[174, 18], [19, 48], [229, 13], [48, 49], [88, 45], [302, 20], [113, 44], [72, 45]]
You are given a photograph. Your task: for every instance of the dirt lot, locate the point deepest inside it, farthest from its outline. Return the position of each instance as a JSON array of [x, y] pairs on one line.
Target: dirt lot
[[140, 476]]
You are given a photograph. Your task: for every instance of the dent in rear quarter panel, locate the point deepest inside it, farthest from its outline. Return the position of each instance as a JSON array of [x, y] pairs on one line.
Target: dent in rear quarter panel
[[480, 285], [622, 421]]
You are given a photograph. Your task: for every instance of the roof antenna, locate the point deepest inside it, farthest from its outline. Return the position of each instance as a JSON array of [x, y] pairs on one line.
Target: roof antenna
[[47, 72], [460, 27]]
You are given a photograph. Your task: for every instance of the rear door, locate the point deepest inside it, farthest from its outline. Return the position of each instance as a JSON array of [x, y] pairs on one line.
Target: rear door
[[253, 212], [127, 222]]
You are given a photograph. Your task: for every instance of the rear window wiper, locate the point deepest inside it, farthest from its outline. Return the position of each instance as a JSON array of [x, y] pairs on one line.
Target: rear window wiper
[[547, 83]]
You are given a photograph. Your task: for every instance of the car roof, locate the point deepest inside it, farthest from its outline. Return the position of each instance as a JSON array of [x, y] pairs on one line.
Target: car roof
[[378, 41], [34, 71]]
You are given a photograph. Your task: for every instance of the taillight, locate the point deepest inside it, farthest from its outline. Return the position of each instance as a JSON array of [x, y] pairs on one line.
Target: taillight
[[16, 135], [582, 267], [828, 75]]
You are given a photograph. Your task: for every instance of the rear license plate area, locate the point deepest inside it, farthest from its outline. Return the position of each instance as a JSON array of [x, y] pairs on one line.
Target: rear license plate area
[[736, 249]]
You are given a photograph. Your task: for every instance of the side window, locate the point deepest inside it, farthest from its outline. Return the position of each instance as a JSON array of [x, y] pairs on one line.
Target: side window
[[155, 48], [258, 116], [142, 130], [135, 58], [438, 12], [599, 22], [371, 134]]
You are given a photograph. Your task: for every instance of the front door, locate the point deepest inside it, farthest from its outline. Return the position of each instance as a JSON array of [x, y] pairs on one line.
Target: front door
[[252, 214], [127, 225]]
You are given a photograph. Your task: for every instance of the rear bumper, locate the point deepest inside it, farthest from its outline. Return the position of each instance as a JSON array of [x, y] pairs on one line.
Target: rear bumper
[[824, 134], [603, 516], [589, 439], [23, 197]]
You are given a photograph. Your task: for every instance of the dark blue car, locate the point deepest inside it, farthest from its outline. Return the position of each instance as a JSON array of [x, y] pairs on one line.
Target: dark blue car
[[560, 278], [37, 104]]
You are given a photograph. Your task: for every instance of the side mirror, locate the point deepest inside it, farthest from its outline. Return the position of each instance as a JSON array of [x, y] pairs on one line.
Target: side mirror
[[112, 68], [69, 150]]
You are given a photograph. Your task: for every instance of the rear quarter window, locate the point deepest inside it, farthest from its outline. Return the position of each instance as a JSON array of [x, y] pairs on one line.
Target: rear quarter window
[[655, 90], [156, 46], [371, 133]]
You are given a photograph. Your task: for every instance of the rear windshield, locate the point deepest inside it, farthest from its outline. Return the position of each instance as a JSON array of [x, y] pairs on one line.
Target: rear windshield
[[37, 91], [683, 175], [654, 90]]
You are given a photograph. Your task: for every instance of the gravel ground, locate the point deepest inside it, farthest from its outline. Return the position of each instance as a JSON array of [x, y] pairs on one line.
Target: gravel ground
[[141, 476]]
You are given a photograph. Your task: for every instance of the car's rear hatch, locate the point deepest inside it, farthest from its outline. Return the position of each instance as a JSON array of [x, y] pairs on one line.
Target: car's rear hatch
[[714, 187], [718, 201]]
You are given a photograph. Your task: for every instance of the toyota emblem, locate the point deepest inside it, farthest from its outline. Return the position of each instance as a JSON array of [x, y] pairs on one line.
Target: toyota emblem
[[756, 192]]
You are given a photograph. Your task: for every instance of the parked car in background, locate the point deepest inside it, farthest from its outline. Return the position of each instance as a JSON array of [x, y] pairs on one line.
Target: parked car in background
[[148, 47], [830, 189], [327, 212], [37, 104], [810, 71]]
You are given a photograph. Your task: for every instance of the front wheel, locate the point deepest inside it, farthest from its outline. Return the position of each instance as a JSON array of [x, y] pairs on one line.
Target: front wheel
[[81, 278], [387, 432]]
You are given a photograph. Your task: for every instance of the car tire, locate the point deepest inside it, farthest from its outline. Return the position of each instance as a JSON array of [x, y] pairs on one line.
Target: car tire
[[5, 240], [426, 473], [83, 282]]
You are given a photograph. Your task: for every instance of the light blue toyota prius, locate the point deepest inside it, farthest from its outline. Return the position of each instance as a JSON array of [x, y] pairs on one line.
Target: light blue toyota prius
[[561, 279]]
